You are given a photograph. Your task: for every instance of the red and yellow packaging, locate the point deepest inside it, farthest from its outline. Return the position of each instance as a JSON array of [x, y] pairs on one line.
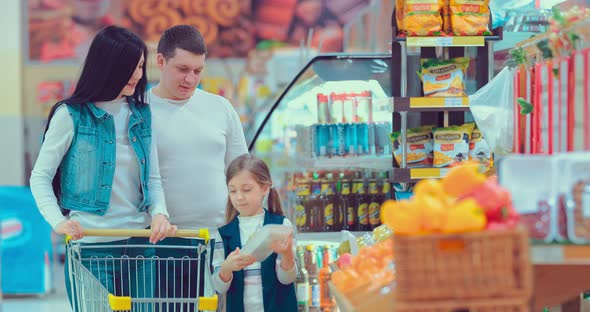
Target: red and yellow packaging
[[419, 147], [470, 17], [422, 17], [441, 78], [399, 15], [451, 145]]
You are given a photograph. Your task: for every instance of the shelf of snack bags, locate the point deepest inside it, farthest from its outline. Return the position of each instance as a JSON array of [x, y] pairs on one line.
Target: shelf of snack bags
[[427, 144]]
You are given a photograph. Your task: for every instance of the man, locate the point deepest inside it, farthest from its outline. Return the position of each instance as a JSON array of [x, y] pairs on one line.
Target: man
[[198, 134]]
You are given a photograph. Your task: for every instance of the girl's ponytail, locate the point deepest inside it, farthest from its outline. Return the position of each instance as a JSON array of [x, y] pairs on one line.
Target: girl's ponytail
[[274, 202]]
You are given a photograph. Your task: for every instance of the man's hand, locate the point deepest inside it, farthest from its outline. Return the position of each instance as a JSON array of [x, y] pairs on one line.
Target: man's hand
[[161, 228], [71, 228]]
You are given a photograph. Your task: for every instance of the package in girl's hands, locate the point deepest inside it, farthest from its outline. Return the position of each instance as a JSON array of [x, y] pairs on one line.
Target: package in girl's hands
[[259, 244]]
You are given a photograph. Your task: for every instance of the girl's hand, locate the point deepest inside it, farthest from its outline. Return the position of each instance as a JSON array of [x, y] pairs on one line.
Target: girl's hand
[[234, 262], [71, 228], [161, 228], [283, 248]]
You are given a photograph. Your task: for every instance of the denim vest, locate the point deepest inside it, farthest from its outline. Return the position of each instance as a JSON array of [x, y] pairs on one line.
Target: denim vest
[[276, 296], [88, 167]]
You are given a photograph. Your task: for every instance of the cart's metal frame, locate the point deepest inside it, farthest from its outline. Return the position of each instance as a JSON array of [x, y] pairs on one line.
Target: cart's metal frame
[[89, 292]]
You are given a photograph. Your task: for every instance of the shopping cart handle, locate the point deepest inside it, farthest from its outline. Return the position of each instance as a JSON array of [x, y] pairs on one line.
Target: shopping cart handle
[[201, 233]]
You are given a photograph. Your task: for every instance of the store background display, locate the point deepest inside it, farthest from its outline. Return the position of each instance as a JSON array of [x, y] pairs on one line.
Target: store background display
[[254, 47]]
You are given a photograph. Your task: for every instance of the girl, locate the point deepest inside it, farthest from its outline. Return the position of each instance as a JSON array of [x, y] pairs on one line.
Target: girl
[[253, 286], [98, 162]]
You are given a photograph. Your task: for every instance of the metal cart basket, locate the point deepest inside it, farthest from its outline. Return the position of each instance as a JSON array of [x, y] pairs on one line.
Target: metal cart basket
[[104, 281]]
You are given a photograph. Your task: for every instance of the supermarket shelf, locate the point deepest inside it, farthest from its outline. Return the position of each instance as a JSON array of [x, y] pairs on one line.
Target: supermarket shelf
[[365, 162], [334, 237], [406, 175], [553, 254], [448, 41], [430, 104]]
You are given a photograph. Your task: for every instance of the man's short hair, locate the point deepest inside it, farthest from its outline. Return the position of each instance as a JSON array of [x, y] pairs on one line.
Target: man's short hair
[[184, 37]]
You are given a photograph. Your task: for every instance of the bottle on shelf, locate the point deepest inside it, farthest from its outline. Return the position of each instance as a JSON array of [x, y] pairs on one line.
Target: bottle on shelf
[[328, 199], [314, 283], [314, 206], [301, 202], [362, 203], [375, 201], [302, 282], [348, 204], [326, 302], [385, 187]]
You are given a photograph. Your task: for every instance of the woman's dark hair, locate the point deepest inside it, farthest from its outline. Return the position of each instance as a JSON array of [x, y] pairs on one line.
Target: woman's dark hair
[[261, 174], [111, 61]]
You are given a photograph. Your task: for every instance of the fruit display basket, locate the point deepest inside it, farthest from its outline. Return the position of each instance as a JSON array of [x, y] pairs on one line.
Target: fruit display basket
[[487, 305], [485, 264], [379, 299]]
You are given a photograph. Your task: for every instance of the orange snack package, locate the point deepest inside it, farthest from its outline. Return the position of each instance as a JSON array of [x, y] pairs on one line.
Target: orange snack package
[[470, 17], [399, 15], [423, 17]]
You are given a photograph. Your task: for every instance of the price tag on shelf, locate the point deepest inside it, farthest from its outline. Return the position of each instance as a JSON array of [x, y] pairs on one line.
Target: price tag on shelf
[[445, 41], [429, 41], [473, 41], [428, 173], [456, 102], [437, 102]]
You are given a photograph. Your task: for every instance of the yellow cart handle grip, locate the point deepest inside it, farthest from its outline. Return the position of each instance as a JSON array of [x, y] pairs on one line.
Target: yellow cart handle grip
[[201, 233]]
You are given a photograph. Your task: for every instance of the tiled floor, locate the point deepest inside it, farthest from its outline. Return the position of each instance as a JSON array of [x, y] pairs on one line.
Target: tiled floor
[[53, 302]]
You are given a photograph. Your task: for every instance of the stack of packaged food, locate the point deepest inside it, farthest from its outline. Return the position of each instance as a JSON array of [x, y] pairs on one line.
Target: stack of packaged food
[[443, 17]]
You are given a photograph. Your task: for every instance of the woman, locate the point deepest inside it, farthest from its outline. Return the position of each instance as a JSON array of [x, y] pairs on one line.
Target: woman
[[98, 162]]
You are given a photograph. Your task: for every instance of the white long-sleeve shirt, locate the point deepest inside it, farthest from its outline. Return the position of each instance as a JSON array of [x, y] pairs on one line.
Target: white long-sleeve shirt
[[252, 273], [126, 193], [197, 139]]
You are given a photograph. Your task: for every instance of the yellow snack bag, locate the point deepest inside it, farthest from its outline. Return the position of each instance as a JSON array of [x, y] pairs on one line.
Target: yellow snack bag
[[423, 17], [479, 150], [399, 15], [470, 17], [419, 147], [451, 145], [444, 77]]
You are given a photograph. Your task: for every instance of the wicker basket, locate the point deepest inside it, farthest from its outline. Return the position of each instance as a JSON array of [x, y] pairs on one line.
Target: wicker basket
[[475, 265], [362, 299], [497, 305]]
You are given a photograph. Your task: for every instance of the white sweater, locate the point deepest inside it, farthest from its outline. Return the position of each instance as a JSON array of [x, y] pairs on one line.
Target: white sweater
[[252, 274], [126, 189], [197, 139]]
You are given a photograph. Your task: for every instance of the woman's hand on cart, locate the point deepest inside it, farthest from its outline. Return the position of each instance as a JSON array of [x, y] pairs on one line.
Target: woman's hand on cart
[[71, 228], [234, 262], [161, 228]]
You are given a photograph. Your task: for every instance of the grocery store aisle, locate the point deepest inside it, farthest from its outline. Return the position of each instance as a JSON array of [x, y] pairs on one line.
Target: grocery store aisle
[[55, 301]]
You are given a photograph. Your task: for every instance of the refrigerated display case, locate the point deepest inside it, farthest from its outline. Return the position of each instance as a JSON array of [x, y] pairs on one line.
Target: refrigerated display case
[[326, 141]]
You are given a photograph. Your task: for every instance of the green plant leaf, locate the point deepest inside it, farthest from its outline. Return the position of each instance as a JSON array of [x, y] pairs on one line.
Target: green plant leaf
[[525, 106]]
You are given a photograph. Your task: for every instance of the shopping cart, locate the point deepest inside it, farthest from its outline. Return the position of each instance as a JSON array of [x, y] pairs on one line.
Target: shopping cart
[[102, 281]]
